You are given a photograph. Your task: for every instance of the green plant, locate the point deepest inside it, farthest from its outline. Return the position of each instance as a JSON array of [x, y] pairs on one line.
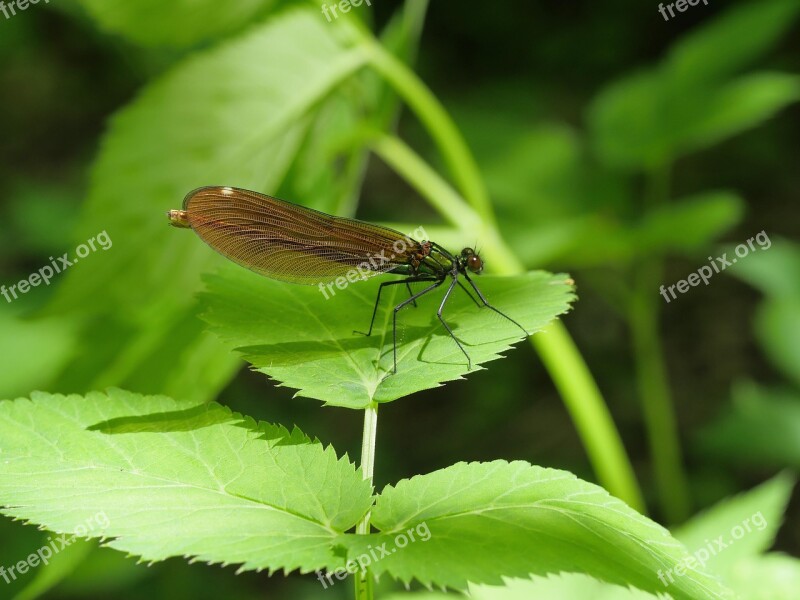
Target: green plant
[[187, 477]]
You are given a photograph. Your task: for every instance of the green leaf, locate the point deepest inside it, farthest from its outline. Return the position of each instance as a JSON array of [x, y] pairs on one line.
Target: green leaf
[[741, 104], [177, 23], [236, 115], [687, 225], [776, 273], [770, 577], [762, 428], [164, 478], [296, 336], [732, 42], [628, 122], [566, 585], [485, 521], [746, 524], [685, 103], [684, 227]]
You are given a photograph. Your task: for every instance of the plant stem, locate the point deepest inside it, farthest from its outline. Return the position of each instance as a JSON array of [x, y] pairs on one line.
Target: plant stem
[[558, 352], [423, 102], [651, 373], [363, 579]]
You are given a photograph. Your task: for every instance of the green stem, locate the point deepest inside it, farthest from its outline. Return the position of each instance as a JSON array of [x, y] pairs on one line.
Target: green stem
[[440, 194], [423, 102], [363, 579], [559, 354], [589, 412], [651, 374]]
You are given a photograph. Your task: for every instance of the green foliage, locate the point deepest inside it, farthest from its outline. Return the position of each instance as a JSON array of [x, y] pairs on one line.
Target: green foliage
[[153, 154], [777, 274], [284, 106], [312, 346], [691, 101], [761, 427], [768, 501], [152, 23], [160, 478], [752, 574], [512, 519], [176, 478]]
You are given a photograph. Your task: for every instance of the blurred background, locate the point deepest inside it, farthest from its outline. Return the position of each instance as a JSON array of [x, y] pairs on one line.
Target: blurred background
[[616, 146]]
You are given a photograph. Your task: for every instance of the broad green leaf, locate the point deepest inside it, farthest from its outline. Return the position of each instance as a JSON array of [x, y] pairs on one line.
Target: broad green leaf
[[741, 104], [741, 562], [762, 428], [731, 42], [480, 522], [236, 115], [160, 478], [739, 527], [177, 23], [307, 342]]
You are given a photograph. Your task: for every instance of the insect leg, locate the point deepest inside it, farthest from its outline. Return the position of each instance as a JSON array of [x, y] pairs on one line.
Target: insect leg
[[486, 304], [378, 298], [401, 305], [446, 326]]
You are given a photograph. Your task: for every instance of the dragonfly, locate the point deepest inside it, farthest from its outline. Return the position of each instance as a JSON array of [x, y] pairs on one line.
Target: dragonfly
[[296, 244]]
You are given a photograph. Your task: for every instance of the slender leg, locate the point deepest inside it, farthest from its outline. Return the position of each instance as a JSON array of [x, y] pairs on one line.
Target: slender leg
[[466, 291], [397, 309], [378, 299], [486, 304], [410, 293], [446, 326]]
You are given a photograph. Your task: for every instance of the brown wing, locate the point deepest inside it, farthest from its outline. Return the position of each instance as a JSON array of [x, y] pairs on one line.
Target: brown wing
[[292, 243]]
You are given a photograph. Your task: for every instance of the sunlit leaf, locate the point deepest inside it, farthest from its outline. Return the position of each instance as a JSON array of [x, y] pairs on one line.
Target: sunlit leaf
[[305, 341], [160, 478], [485, 521]]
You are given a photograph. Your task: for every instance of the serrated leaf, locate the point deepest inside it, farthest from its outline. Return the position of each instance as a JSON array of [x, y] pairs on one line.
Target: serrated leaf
[[560, 587], [177, 23], [235, 114], [485, 521], [296, 336], [161, 478], [746, 524]]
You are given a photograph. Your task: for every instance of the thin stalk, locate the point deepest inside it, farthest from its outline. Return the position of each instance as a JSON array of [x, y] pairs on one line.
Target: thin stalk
[[559, 354], [457, 157], [651, 374], [363, 579]]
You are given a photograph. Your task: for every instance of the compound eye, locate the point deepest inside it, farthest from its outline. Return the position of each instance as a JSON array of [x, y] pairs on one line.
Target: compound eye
[[474, 263]]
